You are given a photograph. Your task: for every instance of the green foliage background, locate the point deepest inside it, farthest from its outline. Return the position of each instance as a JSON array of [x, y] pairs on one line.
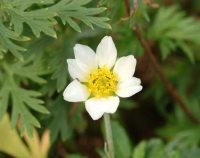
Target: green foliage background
[[36, 38]]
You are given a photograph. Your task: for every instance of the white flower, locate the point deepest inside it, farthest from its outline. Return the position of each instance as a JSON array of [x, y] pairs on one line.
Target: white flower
[[100, 79]]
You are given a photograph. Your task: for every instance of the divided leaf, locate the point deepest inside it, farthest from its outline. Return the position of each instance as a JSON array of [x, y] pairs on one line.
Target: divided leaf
[[172, 29], [14, 92], [41, 18], [59, 123], [22, 101], [6, 41]]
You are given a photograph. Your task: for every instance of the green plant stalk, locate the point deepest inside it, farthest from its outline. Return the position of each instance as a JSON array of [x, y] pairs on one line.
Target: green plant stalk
[[109, 138]]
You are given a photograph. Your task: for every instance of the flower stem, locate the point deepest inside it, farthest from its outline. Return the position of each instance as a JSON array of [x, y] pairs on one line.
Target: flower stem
[[109, 138]]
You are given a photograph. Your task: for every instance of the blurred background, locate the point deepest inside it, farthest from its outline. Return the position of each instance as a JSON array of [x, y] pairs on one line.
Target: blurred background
[[162, 121]]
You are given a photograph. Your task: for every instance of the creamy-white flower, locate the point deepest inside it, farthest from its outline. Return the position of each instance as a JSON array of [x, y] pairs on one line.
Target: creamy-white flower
[[100, 79]]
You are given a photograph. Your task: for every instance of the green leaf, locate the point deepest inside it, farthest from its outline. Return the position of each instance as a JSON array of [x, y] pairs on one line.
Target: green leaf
[[29, 69], [140, 150], [39, 20], [187, 50], [166, 46], [73, 24], [121, 141], [58, 61], [59, 123], [4, 98], [155, 149], [61, 76], [42, 19], [64, 119], [22, 101], [143, 10], [75, 10], [172, 29], [6, 43]]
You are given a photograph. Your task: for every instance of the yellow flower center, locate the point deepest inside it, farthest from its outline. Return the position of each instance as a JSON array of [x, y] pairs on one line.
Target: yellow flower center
[[102, 82]]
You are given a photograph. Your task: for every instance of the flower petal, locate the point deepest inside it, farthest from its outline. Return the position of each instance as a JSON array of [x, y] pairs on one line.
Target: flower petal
[[125, 67], [106, 52], [96, 107], [86, 57], [75, 71], [129, 87], [76, 92]]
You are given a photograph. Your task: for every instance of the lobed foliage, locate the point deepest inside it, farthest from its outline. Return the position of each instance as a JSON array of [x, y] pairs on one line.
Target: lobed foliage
[[40, 16], [36, 38]]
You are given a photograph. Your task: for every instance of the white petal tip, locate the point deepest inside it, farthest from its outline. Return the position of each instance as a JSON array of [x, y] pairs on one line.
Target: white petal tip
[[94, 114], [76, 92], [97, 107], [95, 118], [68, 60], [77, 45], [106, 52], [125, 67], [128, 92]]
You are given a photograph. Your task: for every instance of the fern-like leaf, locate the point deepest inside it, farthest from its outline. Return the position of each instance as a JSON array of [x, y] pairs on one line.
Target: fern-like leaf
[[172, 29], [42, 18]]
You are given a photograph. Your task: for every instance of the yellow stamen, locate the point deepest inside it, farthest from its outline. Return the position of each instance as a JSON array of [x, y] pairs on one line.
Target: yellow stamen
[[102, 82]]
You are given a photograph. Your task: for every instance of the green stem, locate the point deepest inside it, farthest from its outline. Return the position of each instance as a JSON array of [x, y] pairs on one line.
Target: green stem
[[109, 138]]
